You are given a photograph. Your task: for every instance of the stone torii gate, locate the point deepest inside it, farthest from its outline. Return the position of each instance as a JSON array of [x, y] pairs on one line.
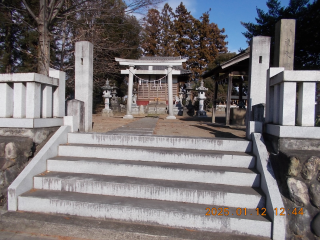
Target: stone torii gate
[[139, 62]]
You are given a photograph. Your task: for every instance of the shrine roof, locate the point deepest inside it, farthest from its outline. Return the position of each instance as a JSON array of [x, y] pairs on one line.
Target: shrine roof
[[240, 61]]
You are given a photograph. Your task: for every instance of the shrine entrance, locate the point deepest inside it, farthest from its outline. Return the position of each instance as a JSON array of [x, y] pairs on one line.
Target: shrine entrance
[[154, 84]]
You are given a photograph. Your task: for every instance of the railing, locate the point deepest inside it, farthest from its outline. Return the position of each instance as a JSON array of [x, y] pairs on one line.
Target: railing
[[31, 96], [282, 105]]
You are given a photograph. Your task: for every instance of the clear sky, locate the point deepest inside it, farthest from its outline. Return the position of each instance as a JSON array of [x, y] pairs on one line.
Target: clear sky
[[227, 14]]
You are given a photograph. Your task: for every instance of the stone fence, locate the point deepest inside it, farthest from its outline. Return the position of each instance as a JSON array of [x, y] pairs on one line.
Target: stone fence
[[31, 100], [288, 112]]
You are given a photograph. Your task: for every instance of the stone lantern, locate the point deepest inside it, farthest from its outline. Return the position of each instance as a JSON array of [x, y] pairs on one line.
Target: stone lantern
[[107, 112], [114, 91], [188, 92], [201, 96]]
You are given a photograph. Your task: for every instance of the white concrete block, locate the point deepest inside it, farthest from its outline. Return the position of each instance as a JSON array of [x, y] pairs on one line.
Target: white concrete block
[[269, 186], [46, 101], [296, 76], [19, 102], [58, 93], [24, 181], [276, 104], [293, 131], [287, 115], [254, 127], [71, 121], [6, 100], [47, 122], [33, 100], [84, 79], [28, 77], [306, 105]]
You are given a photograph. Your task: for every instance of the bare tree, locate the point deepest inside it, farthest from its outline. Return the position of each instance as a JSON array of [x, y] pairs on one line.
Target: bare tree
[[50, 10]]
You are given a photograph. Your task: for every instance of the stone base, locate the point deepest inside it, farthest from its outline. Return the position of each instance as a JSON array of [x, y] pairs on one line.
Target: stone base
[[253, 127], [107, 113], [135, 109], [156, 109], [30, 122], [128, 117], [293, 131], [201, 113], [171, 117]]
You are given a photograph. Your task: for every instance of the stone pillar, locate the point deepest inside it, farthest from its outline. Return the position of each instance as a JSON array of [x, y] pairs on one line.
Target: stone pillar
[[258, 67], [84, 79], [306, 111], [33, 100], [284, 44], [170, 97], [276, 100], [76, 108], [6, 100], [59, 93], [130, 88], [46, 101], [288, 107], [19, 102]]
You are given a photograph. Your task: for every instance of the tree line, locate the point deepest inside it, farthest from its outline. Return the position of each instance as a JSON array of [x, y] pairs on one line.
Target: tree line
[[178, 33], [307, 15]]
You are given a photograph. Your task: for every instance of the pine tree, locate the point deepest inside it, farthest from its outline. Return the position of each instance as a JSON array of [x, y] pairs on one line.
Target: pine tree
[[307, 51]]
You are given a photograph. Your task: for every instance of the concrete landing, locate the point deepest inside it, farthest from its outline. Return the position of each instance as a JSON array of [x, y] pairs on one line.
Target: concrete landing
[[143, 126]]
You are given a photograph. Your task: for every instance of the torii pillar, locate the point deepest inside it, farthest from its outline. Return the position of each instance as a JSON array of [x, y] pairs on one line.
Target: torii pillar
[[130, 88]]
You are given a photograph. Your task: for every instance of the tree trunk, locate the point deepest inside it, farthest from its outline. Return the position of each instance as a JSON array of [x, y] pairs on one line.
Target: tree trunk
[[44, 39]]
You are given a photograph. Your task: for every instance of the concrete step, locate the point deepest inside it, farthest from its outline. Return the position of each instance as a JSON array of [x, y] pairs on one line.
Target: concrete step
[[201, 193], [185, 156], [218, 144], [156, 170], [172, 214]]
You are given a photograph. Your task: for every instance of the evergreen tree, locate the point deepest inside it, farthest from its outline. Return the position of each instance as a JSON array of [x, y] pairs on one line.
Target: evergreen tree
[[183, 27], [151, 34], [211, 42], [167, 37], [307, 52]]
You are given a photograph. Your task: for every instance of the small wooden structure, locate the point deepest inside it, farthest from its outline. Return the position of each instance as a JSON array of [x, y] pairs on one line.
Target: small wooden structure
[[238, 66]]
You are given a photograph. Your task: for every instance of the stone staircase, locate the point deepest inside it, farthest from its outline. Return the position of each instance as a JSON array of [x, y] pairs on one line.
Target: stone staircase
[[171, 181]]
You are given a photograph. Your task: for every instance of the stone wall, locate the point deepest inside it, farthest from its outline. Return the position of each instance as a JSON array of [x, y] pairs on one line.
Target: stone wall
[[298, 177], [17, 148]]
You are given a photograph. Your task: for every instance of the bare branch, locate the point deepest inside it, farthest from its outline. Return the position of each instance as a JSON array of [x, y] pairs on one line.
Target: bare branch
[[30, 11]]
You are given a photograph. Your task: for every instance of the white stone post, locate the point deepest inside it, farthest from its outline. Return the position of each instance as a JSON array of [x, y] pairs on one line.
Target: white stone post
[[306, 113], [288, 103], [170, 96], [33, 100], [258, 67], [84, 79], [59, 93], [46, 101], [19, 102], [6, 100], [130, 88], [276, 101]]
